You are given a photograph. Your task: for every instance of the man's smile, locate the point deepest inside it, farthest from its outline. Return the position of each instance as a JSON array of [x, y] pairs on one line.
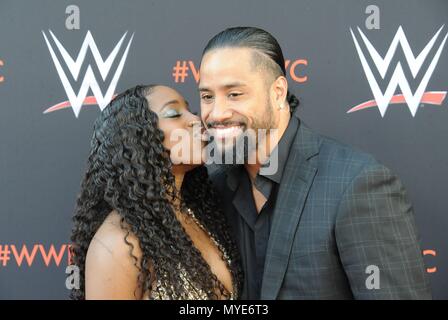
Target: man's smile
[[226, 131]]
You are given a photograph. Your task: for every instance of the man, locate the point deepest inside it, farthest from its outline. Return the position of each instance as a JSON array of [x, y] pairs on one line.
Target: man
[[331, 222]]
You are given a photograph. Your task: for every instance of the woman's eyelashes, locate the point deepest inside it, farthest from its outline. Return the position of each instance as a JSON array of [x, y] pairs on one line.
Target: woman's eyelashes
[[171, 113]]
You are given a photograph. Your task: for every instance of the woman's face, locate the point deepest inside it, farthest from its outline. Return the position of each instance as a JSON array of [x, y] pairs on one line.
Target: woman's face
[[182, 129]]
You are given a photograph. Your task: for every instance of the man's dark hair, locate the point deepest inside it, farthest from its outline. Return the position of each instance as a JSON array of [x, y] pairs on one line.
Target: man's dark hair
[[267, 52]]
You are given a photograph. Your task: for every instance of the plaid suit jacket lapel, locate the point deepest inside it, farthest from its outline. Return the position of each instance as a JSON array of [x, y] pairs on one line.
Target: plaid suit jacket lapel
[[296, 181]]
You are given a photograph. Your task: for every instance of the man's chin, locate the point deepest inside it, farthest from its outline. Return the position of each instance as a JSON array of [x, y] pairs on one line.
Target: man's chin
[[228, 154], [224, 147]]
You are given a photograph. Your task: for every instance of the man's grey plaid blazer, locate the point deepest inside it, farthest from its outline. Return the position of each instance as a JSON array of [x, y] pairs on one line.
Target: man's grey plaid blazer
[[337, 212]]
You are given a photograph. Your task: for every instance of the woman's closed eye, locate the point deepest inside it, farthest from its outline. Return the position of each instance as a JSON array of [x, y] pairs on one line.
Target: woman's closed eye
[[171, 113]]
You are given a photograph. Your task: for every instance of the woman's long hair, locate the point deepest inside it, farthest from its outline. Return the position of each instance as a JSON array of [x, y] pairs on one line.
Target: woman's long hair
[[129, 170]]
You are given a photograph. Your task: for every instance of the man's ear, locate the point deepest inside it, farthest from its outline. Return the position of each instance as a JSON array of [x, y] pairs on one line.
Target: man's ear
[[280, 90]]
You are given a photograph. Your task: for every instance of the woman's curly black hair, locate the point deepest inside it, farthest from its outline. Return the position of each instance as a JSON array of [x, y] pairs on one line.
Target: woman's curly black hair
[[129, 170]]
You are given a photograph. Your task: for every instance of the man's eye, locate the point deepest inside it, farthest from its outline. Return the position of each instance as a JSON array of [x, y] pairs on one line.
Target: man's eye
[[234, 94], [206, 97], [171, 113]]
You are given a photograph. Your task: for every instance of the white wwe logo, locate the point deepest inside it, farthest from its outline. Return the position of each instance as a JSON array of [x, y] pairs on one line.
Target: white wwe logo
[[89, 80], [398, 78]]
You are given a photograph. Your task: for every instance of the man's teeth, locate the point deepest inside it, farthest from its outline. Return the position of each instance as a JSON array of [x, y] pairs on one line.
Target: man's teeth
[[226, 131]]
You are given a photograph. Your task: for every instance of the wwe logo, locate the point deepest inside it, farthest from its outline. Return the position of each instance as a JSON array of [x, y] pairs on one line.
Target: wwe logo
[[398, 78], [89, 81]]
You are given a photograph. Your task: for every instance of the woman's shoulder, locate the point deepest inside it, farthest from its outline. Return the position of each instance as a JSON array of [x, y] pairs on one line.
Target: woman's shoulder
[[112, 262], [114, 241]]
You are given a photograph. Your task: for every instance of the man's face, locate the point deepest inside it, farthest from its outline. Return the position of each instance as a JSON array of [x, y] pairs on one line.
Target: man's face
[[235, 96]]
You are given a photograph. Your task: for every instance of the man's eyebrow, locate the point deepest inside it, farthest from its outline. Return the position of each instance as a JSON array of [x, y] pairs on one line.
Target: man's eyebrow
[[225, 86]]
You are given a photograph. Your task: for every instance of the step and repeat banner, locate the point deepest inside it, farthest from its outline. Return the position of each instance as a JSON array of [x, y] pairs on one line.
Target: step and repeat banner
[[373, 74]]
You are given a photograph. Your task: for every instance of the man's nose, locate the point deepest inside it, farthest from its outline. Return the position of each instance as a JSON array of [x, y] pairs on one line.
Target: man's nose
[[219, 113]]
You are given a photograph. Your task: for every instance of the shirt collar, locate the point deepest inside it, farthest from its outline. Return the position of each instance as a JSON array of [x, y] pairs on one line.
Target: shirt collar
[[282, 149]]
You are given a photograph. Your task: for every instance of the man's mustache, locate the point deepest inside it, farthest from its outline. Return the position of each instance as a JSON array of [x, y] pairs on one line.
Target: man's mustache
[[221, 124]]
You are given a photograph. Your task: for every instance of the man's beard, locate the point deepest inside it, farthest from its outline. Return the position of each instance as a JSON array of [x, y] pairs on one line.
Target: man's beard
[[243, 148]]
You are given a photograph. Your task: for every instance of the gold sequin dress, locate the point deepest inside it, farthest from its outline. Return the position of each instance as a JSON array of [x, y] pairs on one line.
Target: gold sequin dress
[[195, 293]]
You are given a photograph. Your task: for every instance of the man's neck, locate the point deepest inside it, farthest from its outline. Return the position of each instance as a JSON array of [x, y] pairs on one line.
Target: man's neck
[[252, 170]]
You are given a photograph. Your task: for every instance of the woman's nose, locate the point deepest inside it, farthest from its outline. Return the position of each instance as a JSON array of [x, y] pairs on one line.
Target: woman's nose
[[196, 127], [194, 123], [194, 120]]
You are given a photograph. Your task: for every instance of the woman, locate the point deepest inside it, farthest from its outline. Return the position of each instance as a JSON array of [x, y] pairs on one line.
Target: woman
[[146, 225]]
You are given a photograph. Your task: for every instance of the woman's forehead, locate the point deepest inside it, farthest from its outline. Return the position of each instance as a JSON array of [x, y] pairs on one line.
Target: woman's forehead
[[162, 95]]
